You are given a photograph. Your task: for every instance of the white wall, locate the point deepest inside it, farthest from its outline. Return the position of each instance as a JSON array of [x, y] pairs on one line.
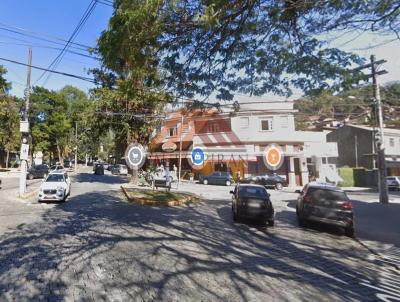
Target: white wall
[[392, 149]]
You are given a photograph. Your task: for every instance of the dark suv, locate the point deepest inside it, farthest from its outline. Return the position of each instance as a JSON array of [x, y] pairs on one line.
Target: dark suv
[[217, 178], [38, 171], [267, 180], [325, 203]]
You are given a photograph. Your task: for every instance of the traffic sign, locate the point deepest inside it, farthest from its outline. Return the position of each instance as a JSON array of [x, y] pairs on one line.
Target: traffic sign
[[135, 156], [273, 156], [24, 152]]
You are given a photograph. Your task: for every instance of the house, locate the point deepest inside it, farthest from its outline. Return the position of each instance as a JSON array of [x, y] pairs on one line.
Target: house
[[236, 142], [357, 147]]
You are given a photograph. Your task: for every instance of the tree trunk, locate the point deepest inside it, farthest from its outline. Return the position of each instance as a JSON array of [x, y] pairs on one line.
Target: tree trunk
[[7, 158], [60, 155]]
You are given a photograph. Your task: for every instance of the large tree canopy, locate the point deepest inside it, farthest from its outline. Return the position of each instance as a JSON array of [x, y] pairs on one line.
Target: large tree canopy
[[252, 46]]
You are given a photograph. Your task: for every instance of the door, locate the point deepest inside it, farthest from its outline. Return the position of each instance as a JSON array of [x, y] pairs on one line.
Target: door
[[297, 171]]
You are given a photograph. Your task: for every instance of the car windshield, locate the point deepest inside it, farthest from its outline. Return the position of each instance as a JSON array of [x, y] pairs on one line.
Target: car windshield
[[324, 194], [257, 192], [55, 178]]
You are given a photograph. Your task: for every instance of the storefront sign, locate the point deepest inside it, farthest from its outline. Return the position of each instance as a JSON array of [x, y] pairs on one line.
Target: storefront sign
[[169, 147]]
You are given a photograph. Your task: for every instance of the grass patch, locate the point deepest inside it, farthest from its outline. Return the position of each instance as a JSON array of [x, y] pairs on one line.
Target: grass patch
[[157, 198]]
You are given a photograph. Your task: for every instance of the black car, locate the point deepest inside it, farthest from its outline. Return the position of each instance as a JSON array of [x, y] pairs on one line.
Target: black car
[[99, 169], [119, 169], [252, 201], [327, 204], [267, 180], [217, 178], [37, 171]]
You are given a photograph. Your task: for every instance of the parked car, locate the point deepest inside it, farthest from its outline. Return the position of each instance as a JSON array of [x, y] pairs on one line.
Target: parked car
[[56, 168], [67, 164], [325, 203], [267, 180], [106, 165], [119, 170], [217, 178], [393, 182], [37, 171], [252, 201], [57, 186], [99, 169]]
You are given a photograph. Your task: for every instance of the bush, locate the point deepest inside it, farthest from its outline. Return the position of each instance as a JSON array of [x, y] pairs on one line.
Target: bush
[[348, 177]]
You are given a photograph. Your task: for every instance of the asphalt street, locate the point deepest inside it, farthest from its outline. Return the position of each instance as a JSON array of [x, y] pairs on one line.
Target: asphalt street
[[98, 247]]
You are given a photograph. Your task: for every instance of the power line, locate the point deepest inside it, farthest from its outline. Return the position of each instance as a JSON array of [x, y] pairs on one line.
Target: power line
[[52, 71], [37, 35], [49, 47], [77, 29]]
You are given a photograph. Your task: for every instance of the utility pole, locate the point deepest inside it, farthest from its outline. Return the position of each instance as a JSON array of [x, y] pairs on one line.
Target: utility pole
[[180, 149], [383, 189], [356, 150], [76, 146], [24, 128], [382, 185]]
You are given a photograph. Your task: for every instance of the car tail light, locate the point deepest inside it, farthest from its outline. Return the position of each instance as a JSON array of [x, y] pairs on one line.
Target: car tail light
[[307, 199], [347, 205]]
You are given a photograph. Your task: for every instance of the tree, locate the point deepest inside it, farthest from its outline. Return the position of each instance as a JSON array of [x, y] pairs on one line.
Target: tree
[[50, 122], [355, 104], [130, 99], [252, 46], [4, 85], [9, 117]]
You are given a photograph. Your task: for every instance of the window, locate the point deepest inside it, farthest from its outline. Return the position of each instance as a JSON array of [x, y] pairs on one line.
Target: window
[[391, 142], [244, 122], [266, 124], [172, 131]]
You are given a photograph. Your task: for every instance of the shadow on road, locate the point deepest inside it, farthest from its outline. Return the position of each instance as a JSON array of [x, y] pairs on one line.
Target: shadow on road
[[95, 246], [106, 179]]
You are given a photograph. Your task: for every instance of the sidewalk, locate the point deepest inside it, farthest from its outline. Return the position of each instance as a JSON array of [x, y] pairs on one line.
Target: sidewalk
[[377, 225]]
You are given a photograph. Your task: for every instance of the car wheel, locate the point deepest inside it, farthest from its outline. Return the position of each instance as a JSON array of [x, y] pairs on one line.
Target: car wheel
[[271, 222], [30, 176], [278, 186], [205, 182], [349, 231], [228, 183]]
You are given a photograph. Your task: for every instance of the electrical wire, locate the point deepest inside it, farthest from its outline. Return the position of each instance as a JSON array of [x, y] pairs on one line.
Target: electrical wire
[[37, 35], [57, 60], [52, 71], [49, 47]]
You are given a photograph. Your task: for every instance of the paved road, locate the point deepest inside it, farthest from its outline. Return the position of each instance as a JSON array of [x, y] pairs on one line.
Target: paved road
[[97, 247], [11, 183]]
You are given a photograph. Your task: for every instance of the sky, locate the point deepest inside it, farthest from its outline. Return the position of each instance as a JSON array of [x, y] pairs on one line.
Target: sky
[[59, 18]]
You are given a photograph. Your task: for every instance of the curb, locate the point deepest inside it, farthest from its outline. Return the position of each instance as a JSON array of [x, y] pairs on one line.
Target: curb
[[29, 195], [149, 202]]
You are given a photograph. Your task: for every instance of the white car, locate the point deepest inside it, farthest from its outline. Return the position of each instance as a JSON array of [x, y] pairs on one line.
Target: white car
[[393, 182], [57, 186]]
